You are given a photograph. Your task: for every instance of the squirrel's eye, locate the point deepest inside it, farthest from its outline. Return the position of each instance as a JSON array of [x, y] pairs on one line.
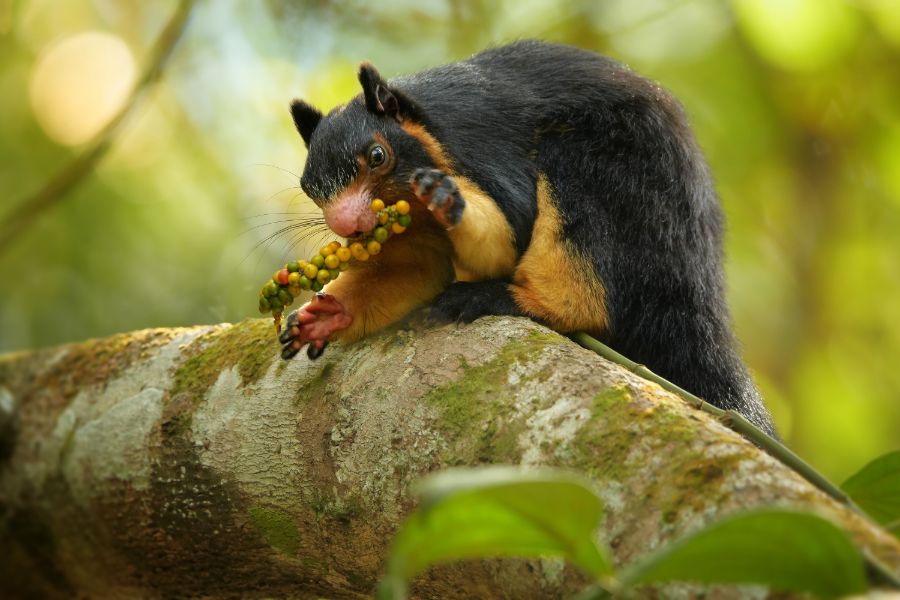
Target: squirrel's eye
[[376, 156]]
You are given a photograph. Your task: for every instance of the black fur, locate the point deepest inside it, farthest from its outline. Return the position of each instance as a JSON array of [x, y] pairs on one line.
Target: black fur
[[378, 96], [306, 119], [465, 301], [632, 187]]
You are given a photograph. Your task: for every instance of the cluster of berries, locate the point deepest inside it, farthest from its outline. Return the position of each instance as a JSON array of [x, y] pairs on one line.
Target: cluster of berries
[[295, 277]]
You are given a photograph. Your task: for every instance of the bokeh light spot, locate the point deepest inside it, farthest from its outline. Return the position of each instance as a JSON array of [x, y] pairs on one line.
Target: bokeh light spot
[[79, 84], [799, 35]]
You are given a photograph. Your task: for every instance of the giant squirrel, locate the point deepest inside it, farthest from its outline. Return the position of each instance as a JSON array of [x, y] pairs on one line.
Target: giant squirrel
[[546, 181]]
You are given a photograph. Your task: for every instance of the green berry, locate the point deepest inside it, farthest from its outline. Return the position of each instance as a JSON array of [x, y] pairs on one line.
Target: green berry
[[275, 303], [318, 260], [270, 289], [285, 297], [380, 234], [293, 267], [304, 282], [404, 220], [264, 305], [316, 286]]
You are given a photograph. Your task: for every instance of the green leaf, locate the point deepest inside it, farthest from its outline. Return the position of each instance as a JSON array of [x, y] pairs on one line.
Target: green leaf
[[779, 548], [498, 511], [876, 488]]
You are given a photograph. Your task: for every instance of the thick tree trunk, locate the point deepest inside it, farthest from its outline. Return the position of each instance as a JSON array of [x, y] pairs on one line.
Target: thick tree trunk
[[194, 462]]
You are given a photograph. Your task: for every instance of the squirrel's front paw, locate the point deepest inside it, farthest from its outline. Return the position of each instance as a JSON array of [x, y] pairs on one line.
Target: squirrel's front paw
[[313, 323], [437, 190]]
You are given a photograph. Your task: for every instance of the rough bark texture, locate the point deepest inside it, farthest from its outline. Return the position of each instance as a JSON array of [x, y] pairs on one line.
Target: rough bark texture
[[193, 462]]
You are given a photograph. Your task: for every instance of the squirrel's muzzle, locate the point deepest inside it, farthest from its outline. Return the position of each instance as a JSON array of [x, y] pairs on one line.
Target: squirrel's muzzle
[[350, 213]]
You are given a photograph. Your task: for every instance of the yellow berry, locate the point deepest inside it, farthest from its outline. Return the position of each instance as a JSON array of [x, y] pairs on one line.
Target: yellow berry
[[334, 245], [332, 261], [318, 260], [402, 207], [326, 251], [363, 256], [377, 205], [310, 271], [294, 279], [323, 276], [356, 249], [398, 228], [343, 254], [373, 247], [383, 218]]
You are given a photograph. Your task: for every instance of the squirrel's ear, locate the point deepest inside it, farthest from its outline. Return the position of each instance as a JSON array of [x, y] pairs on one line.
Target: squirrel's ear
[[306, 118], [380, 99]]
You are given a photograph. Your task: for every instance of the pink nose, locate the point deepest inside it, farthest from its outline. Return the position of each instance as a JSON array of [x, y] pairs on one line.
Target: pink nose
[[350, 213]]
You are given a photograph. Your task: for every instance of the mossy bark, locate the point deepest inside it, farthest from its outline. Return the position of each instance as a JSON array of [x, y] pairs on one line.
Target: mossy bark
[[193, 462]]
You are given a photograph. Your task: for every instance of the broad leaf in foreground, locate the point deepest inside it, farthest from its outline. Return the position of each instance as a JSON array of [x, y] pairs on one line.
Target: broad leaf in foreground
[[876, 488], [497, 511], [779, 548]]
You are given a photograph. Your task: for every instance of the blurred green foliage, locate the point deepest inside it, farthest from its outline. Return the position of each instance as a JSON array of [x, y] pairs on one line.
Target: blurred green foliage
[[796, 103]]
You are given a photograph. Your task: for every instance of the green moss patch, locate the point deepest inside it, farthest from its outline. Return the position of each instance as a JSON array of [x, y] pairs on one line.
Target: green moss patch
[[475, 402], [250, 345], [277, 528], [600, 446], [696, 472]]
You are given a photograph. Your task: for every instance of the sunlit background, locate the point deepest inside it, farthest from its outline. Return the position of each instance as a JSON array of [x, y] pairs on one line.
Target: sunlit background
[[796, 103]]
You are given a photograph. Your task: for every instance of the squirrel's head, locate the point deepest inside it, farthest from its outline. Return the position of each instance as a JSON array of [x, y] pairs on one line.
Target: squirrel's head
[[360, 151]]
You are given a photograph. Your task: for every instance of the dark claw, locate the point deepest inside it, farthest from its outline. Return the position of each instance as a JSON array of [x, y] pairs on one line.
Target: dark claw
[[289, 352], [426, 183], [439, 191], [313, 353], [285, 336], [425, 180], [443, 193], [447, 196]]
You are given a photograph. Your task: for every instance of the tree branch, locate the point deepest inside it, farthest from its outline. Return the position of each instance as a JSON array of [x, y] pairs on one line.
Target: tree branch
[[196, 463]]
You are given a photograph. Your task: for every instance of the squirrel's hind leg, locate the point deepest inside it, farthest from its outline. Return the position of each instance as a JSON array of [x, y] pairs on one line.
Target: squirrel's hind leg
[[465, 301]]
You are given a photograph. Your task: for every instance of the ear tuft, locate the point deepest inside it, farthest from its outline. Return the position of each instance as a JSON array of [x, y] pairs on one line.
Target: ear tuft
[[380, 99], [306, 119]]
